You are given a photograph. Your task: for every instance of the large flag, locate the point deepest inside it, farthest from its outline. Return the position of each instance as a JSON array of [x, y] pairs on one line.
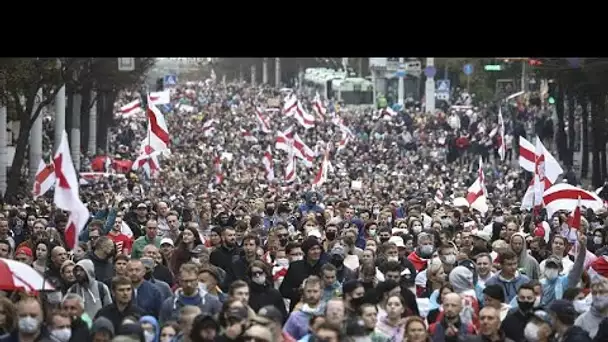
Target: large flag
[[67, 193], [564, 196], [501, 137], [477, 193], [158, 133], [44, 179]]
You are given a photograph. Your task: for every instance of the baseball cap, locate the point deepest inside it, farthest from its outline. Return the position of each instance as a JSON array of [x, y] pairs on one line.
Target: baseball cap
[[480, 234], [142, 205], [397, 240], [166, 241], [553, 260], [564, 310], [147, 262], [24, 250], [269, 314]]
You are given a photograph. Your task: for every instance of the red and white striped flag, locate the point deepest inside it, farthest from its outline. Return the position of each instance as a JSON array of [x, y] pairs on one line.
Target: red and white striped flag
[[539, 174], [477, 193], [527, 159], [318, 107], [248, 136], [67, 193], [439, 196], [290, 169], [574, 219], [564, 196], [131, 108], [148, 162], [323, 173], [501, 137], [343, 141], [302, 151], [268, 164], [208, 128], [158, 133], [264, 124], [290, 106], [44, 179]]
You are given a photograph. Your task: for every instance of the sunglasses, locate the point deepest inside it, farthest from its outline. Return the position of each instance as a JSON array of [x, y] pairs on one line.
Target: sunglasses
[[257, 273]]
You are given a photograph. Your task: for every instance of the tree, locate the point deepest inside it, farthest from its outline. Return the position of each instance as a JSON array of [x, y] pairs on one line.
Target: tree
[[21, 82]]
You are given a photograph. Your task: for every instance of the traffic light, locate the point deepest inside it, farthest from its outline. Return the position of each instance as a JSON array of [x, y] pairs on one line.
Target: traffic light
[[160, 84], [552, 92]]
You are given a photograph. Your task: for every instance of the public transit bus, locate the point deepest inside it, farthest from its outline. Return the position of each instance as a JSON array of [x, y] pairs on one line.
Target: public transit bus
[[336, 85]]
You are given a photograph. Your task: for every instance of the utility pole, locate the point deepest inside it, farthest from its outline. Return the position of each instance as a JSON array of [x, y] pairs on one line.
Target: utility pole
[[75, 134], [277, 72], [429, 87], [401, 85], [3, 150], [265, 71], [93, 125], [35, 138]]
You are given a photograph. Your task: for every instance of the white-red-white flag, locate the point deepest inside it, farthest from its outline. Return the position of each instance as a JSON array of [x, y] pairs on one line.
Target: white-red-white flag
[[318, 107], [539, 173], [148, 162], [262, 120], [131, 108], [44, 179], [158, 133], [248, 136], [564, 196], [67, 193], [501, 136], [290, 169], [302, 151], [574, 219], [323, 173], [477, 193], [217, 167], [268, 164], [527, 159]]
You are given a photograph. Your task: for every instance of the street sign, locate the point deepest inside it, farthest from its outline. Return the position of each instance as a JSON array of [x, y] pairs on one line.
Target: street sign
[[170, 80], [430, 71], [442, 90], [468, 69], [126, 63], [492, 67]]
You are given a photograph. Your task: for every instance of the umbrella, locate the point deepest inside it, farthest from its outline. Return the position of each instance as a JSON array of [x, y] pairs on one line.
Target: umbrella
[[15, 275]]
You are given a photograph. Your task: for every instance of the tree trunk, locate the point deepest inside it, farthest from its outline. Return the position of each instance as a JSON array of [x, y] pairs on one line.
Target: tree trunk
[[585, 138], [106, 119], [571, 123], [14, 176], [597, 108], [560, 136], [84, 118]]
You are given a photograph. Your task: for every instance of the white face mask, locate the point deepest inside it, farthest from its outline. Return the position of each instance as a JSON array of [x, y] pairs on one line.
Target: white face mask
[[450, 259], [297, 258], [416, 229], [282, 262], [149, 336], [499, 219], [597, 240], [62, 335], [392, 258], [551, 273], [531, 332]]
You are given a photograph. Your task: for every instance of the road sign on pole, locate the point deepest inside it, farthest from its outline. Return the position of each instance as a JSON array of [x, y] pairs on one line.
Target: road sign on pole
[[126, 63], [170, 80], [442, 90], [430, 71], [468, 69]]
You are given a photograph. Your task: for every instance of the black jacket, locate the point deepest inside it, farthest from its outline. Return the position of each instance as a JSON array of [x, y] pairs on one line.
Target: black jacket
[[514, 324], [237, 271], [115, 316], [80, 330], [577, 334], [223, 257], [263, 295], [162, 273], [297, 272], [104, 269]]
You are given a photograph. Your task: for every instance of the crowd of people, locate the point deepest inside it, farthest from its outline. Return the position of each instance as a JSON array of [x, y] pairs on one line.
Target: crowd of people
[[379, 252]]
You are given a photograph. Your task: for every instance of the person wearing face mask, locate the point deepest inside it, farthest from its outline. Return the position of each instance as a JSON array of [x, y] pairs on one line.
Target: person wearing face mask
[[59, 327], [415, 226], [311, 199], [590, 320], [102, 257], [423, 252], [261, 289], [29, 324], [513, 325], [337, 255], [240, 264], [150, 327], [553, 283], [269, 215], [384, 234]]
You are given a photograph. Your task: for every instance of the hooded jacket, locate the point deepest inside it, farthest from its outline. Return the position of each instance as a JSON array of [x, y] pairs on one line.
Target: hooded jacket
[[310, 207], [151, 320], [526, 262], [89, 290], [208, 303], [104, 268], [509, 287], [102, 324]]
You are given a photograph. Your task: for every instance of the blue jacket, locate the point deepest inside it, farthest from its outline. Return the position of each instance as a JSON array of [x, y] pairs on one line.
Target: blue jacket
[[509, 287], [109, 216], [148, 298]]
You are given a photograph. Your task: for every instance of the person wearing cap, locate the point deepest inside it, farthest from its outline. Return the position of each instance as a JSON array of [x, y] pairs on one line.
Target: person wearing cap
[[527, 264], [24, 255], [273, 318], [493, 296], [302, 269], [343, 273], [563, 315], [423, 252], [554, 285], [204, 329], [166, 250], [137, 219]]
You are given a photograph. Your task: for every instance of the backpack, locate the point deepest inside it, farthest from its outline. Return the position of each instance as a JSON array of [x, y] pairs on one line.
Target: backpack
[[102, 291]]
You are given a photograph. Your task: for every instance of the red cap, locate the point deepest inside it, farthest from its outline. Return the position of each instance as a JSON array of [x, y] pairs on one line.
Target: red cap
[[539, 231], [24, 250]]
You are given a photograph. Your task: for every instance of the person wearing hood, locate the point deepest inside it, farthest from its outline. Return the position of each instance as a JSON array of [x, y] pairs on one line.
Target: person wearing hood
[[463, 283], [527, 263], [101, 256], [102, 330], [189, 294], [311, 198], [151, 328], [95, 294], [262, 291], [508, 277], [302, 269], [132, 330], [423, 252]]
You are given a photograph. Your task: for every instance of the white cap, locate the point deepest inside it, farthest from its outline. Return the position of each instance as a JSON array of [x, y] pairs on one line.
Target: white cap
[[397, 240], [166, 240]]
